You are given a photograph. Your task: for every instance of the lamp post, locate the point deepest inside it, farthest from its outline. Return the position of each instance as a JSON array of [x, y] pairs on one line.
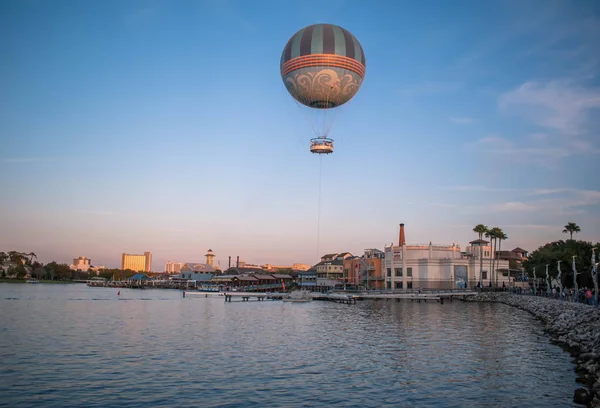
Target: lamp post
[[595, 276], [576, 289], [547, 281], [559, 280]]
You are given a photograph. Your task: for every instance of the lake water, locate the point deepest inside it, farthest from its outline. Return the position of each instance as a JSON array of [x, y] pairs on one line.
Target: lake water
[[75, 346]]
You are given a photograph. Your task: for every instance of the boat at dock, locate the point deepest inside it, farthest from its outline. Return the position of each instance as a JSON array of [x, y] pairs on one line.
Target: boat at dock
[[299, 296], [32, 280]]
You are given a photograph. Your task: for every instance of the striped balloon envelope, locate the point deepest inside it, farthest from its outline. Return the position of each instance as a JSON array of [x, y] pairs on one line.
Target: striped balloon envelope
[[323, 66]]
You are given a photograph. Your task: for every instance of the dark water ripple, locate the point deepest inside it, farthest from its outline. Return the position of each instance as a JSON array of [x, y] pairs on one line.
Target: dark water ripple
[[74, 346]]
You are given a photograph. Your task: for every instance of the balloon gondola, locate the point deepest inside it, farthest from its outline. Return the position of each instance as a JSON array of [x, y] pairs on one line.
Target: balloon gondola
[[321, 145], [322, 67]]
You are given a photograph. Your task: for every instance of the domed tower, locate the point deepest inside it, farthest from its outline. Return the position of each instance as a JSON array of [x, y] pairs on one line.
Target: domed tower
[[210, 258]]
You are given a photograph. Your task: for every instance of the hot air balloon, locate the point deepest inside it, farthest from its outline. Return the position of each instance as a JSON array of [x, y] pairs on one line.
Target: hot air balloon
[[322, 67]]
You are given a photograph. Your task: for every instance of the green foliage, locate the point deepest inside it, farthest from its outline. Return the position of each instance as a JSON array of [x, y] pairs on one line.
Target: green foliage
[[571, 228], [60, 271], [480, 229], [20, 271], [551, 253]]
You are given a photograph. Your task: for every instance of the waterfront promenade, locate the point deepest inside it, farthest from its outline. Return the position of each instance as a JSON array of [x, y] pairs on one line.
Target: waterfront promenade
[[574, 326]]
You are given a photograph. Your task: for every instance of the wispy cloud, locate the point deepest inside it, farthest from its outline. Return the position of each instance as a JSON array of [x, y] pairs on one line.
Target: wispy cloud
[[431, 204], [476, 189], [558, 105], [94, 212], [461, 120]]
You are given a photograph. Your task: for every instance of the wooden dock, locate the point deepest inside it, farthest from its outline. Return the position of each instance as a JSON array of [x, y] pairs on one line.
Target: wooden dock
[[351, 298], [438, 296], [261, 296]]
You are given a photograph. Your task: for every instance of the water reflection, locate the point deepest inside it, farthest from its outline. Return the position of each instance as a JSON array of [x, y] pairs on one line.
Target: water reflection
[[72, 346]]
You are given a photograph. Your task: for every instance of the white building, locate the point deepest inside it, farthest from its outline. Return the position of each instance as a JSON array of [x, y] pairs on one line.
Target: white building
[[199, 272], [440, 266], [173, 267], [81, 264]]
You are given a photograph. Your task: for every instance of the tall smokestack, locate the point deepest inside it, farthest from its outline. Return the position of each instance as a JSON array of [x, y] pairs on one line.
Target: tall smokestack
[[237, 262], [229, 266], [402, 238]]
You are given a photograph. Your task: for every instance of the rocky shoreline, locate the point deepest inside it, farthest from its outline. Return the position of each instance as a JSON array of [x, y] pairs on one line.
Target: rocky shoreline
[[573, 326]]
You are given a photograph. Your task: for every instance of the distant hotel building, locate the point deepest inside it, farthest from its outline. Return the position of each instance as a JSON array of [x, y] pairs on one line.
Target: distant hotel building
[[138, 263], [81, 264], [173, 267]]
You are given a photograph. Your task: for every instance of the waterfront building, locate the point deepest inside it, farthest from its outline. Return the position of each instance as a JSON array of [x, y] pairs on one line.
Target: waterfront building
[[81, 263], [366, 270], [138, 263], [210, 258], [293, 267], [307, 279], [330, 271], [173, 267], [430, 266], [200, 272]]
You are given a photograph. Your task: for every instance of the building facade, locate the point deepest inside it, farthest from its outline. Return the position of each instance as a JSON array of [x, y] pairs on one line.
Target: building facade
[[429, 266], [366, 271], [330, 271], [199, 272], [438, 267], [210, 258], [81, 263], [173, 267], [138, 263]]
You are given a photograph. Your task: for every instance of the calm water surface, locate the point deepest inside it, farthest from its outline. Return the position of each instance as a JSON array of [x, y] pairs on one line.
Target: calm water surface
[[74, 346]]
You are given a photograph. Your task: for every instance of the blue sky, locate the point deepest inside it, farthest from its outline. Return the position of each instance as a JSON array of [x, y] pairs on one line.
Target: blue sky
[[164, 126]]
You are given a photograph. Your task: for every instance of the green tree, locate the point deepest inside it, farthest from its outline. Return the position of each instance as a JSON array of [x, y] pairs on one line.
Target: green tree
[[17, 257], [552, 252], [571, 228], [39, 272], [500, 236], [20, 271], [480, 229]]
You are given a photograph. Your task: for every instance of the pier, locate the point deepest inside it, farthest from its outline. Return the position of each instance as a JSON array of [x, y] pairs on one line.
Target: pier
[[261, 296], [344, 297], [435, 295]]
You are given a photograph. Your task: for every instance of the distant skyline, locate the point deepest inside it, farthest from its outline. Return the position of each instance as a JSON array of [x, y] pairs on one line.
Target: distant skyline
[[164, 126]]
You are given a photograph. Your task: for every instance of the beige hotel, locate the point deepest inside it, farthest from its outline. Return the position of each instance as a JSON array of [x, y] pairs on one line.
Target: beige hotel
[[138, 263]]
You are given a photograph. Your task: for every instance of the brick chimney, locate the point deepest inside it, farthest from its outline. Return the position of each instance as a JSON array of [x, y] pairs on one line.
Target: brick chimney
[[402, 238]]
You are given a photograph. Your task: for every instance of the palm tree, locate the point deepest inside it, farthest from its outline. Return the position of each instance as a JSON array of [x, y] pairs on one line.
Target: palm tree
[[480, 229], [494, 234], [570, 228], [501, 237], [31, 255]]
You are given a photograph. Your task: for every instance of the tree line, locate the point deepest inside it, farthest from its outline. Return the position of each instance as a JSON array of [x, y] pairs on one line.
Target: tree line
[[549, 254], [20, 262]]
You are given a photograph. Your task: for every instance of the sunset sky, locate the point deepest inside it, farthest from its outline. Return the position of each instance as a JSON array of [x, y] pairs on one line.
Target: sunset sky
[[164, 126]]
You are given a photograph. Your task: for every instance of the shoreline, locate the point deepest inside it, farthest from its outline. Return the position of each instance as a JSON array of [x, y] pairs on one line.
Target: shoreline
[[573, 326], [53, 282]]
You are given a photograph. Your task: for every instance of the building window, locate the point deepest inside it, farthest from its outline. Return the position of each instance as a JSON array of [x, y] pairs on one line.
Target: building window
[[398, 285], [389, 271], [398, 271], [408, 285], [409, 272], [484, 275]]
